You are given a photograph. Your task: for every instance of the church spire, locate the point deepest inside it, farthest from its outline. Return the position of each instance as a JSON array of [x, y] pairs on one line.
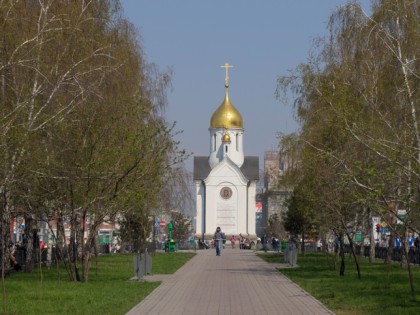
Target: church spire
[[226, 115], [226, 130], [227, 66]]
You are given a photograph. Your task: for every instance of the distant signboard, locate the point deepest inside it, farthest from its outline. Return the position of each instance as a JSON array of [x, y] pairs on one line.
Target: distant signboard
[[401, 214]]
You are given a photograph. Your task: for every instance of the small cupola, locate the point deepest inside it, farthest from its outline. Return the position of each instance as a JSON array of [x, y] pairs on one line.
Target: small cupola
[[226, 137]]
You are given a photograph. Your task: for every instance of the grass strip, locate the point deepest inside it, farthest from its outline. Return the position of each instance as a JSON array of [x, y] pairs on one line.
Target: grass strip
[[108, 290], [383, 289]]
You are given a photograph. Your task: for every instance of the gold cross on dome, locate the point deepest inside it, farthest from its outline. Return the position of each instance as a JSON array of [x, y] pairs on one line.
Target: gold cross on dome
[[226, 66]]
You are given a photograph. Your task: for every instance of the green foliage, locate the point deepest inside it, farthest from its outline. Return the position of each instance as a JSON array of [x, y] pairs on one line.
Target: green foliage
[[82, 128], [358, 101], [135, 228], [275, 227], [182, 227], [352, 122], [294, 218]]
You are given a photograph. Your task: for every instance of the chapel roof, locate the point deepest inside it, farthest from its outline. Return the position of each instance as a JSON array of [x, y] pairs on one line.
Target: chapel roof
[[250, 168]]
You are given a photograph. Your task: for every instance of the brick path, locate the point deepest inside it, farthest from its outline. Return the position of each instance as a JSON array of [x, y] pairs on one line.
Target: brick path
[[236, 283]]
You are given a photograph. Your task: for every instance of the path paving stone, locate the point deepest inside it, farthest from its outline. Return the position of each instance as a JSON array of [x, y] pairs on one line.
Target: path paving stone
[[236, 283]]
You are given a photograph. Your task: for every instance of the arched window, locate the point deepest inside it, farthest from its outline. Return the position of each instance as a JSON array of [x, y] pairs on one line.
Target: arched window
[[214, 142], [237, 141], [226, 148]]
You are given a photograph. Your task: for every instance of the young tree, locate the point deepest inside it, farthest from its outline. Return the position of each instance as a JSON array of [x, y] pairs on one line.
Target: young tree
[[182, 226]]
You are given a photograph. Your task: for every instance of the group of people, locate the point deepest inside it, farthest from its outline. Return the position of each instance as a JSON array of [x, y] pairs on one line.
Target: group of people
[[413, 242], [275, 243], [219, 241], [245, 242]]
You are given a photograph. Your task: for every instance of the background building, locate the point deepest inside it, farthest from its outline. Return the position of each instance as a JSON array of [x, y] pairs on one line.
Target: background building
[[275, 191]]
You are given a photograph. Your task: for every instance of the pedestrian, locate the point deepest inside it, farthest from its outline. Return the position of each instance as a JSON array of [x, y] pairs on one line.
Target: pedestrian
[[241, 241], [319, 245], [410, 240], [264, 242], [224, 240], [218, 240], [336, 245], [275, 244], [12, 257], [417, 243], [233, 241], [397, 242]]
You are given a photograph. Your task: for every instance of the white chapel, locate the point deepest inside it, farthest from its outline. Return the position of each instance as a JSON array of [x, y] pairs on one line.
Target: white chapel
[[226, 180]]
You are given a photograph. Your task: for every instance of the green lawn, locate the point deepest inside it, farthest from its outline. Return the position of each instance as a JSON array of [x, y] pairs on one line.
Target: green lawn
[[108, 290], [383, 289]]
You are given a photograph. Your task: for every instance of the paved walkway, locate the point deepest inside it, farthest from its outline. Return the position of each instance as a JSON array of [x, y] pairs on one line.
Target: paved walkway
[[236, 283]]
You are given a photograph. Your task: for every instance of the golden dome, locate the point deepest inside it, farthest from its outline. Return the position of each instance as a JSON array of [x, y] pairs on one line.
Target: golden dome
[[226, 115]]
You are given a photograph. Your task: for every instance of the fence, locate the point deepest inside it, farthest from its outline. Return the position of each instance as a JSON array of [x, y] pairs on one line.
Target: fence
[[382, 252], [42, 254]]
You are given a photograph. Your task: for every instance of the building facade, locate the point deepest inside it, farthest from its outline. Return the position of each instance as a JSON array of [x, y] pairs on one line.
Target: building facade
[[275, 191]]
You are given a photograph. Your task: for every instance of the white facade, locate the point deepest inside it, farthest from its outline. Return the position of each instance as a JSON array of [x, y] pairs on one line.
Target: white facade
[[226, 199]]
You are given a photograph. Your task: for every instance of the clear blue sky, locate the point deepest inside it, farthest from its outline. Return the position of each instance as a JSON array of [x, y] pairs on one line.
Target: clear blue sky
[[261, 39]]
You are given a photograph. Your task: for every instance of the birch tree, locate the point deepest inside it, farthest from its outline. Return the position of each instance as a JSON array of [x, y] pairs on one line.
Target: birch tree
[[83, 131], [358, 102]]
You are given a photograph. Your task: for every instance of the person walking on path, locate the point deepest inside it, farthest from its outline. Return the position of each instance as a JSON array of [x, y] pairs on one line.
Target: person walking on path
[[218, 240], [233, 241]]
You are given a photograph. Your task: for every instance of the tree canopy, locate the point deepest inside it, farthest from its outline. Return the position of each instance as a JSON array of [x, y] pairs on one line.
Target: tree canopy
[[82, 129], [357, 99]]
